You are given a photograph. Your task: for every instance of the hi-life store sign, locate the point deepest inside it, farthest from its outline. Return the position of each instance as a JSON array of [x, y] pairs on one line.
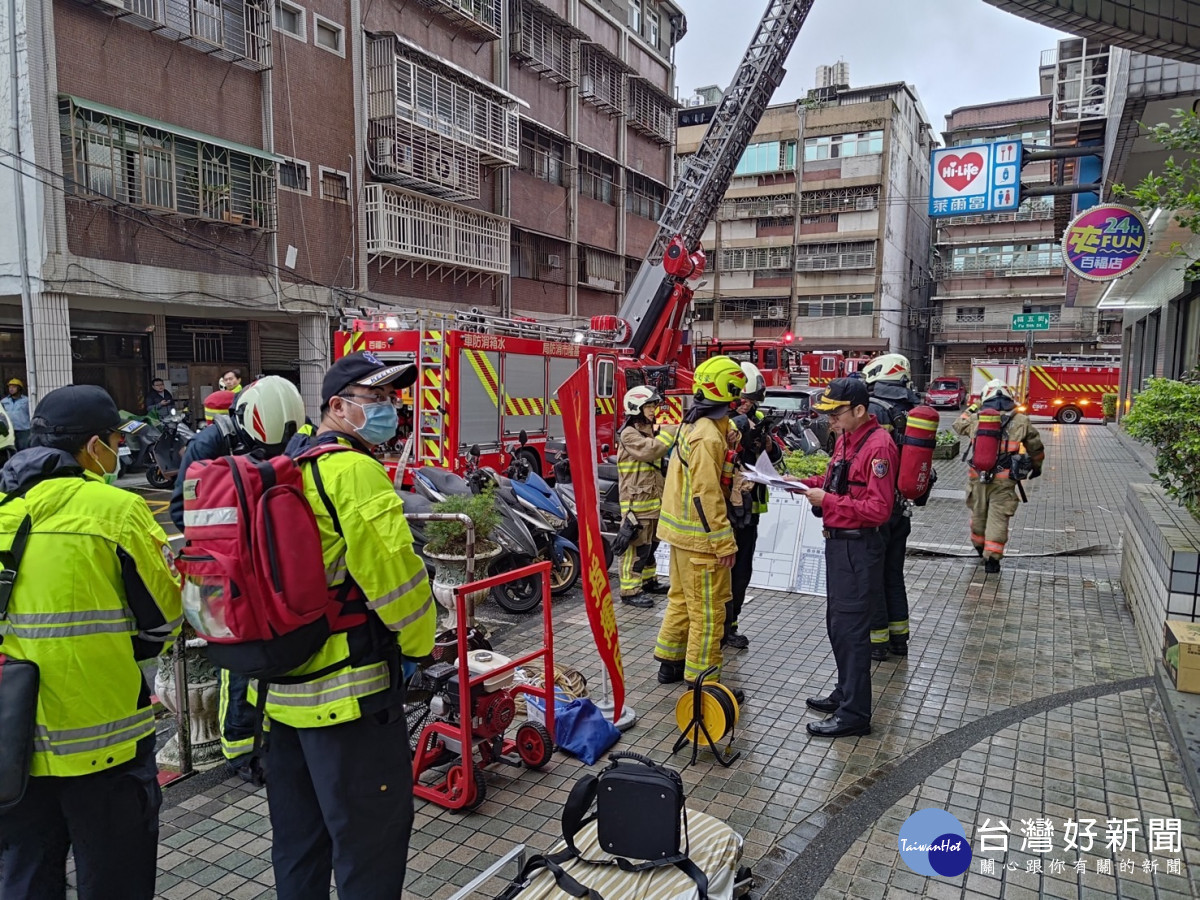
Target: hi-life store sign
[[981, 178]]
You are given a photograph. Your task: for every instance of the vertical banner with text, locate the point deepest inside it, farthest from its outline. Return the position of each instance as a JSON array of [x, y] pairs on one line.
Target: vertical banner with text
[[579, 422]]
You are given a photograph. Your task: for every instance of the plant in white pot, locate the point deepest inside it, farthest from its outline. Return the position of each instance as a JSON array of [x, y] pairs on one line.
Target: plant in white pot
[[447, 548]]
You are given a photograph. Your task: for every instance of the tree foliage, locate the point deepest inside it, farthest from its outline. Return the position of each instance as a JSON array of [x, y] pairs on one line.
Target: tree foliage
[[1177, 186], [1166, 415]]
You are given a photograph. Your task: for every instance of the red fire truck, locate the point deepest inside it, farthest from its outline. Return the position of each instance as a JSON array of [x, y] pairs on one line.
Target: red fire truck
[[777, 360], [1069, 390]]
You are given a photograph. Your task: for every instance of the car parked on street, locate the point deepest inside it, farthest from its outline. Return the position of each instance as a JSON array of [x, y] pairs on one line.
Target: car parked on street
[[795, 405], [949, 393]]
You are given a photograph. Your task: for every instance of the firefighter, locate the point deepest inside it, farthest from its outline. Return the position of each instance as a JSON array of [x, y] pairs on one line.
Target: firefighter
[[339, 788], [748, 501], [889, 379], [93, 599], [216, 405], [855, 497], [641, 446], [265, 417], [694, 520], [992, 492]]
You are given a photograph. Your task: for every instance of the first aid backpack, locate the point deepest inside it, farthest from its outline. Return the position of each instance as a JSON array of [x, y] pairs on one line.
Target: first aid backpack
[[254, 575]]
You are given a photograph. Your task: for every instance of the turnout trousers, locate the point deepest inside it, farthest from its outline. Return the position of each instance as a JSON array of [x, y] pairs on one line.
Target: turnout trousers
[[109, 819], [695, 617], [340, 799], [235, 715], [889, 608], [991, 505], [743, 568], [637, 562], [853, 576]]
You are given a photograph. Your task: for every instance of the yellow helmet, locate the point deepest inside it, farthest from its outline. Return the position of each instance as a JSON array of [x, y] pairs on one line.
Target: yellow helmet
[[718, 380], [18, 382]]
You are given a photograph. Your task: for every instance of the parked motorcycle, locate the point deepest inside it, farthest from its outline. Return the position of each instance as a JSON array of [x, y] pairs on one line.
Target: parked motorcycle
[[547, 517], [610, 500], [166, 453]]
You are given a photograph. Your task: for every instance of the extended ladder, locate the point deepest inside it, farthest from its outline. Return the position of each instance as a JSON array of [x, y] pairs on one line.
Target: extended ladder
[[429, 407]]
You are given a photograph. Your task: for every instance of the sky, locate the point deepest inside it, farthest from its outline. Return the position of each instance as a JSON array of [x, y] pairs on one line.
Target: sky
[[955, 52]]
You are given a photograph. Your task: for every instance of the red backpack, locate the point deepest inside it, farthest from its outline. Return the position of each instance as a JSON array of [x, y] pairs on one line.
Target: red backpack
[[253, 568]]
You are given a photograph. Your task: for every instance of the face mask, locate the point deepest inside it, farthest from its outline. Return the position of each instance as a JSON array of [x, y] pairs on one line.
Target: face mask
[[109, 477], [380, 425]]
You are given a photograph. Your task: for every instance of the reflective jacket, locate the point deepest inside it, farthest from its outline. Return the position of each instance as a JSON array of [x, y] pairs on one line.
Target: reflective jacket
[[1016, 432], [640, 449], [96, 601], [371, 544], [694, 514]]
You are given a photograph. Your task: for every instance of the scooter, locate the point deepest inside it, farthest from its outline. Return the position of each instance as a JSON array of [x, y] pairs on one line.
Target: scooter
[[609, 491], [543, 510], [166, 453]]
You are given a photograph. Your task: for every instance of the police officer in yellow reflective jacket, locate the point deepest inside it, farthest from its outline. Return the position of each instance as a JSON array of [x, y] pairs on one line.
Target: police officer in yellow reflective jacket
[[339, 773], [641, 446], [694, 520], [95, 602]]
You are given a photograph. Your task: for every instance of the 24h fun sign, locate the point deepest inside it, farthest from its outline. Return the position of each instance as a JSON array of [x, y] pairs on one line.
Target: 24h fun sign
[[1104, 242], [980, 178]]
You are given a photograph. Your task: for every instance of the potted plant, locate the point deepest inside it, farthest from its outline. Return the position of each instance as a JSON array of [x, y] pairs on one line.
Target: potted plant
[[947, 446], [447, 549], [203, 695]]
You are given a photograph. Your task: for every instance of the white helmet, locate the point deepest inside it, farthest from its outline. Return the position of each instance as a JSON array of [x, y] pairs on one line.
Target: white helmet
[[890, 367], [995, 388], [269, 412], [637, 397], [756, 386]]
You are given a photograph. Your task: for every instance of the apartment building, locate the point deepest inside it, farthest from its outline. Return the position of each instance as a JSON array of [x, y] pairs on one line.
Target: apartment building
[[209, 183], [824, 230], [990, 267]]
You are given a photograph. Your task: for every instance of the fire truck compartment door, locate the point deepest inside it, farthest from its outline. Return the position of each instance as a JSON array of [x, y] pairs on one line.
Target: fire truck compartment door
[[560, 370], [478, 397], [523, 384]]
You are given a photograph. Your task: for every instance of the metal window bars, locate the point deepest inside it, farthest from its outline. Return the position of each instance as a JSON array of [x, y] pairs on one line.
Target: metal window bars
[[419, 233], [650, 111], [237, 31], [848, 255], [543, 42], [600, 78], [747, 259], [149, 167], [481, 18]]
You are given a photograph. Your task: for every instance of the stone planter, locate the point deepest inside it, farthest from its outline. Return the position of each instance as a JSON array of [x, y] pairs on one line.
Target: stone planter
[[1160, 564], [203, 699], [449, 572], [947, 451]]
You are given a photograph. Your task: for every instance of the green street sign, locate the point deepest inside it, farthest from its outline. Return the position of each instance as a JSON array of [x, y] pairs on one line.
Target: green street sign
[[1031, 322]]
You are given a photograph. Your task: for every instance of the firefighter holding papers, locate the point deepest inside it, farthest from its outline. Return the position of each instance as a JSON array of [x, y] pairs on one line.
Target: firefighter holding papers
[[997, 433], [641, 446], [694, 520]]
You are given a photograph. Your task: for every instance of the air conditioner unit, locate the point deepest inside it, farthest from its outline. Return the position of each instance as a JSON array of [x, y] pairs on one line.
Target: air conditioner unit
[[817, 262], [443, 169], [866, 203], [782, 209], [553, 261], [776, 312], [742, 212]]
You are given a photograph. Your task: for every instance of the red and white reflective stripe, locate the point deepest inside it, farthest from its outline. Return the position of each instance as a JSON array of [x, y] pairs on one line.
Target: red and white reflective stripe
[[219, 515]]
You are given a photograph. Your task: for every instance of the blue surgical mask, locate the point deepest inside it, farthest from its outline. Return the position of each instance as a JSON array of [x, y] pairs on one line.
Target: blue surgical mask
[[381, 423]]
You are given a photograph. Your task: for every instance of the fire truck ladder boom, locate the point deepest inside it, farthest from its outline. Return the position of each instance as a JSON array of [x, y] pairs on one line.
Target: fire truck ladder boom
[[709, 170], [396, 318]]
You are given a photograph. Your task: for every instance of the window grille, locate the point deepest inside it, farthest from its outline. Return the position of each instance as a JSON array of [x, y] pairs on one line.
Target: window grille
[[597, 178], [845, 255], [237, 31], [651, 113], [600, 78], [481, 17], [847, 200], [541, 42], [600, 269], [835, 306]]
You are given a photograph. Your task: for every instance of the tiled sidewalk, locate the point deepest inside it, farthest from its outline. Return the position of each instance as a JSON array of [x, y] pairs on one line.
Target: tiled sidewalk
[[822, 817]]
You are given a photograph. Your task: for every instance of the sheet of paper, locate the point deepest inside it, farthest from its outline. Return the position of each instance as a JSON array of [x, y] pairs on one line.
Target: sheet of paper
[[763, 472]]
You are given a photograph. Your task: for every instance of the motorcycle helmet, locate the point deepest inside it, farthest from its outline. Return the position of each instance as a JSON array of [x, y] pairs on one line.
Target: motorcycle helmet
[[756, 386], [995, 388], [269, 413], [718, 380], [638, 397], [891, 367]]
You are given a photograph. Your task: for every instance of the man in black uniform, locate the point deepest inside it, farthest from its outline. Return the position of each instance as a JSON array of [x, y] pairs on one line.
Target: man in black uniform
[[746, 509], [855, 497], [889, 379]]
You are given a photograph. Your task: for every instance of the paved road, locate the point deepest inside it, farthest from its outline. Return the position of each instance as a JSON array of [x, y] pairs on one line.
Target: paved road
[[1025, 698]]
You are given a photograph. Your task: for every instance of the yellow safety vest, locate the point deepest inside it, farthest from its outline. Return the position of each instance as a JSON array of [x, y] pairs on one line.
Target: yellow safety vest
[[375, 549], [96, 601]]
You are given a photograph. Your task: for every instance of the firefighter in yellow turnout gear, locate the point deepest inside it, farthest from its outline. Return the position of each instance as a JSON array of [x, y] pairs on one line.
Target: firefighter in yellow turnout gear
[[694, 520], [641, 446], [992, 495]]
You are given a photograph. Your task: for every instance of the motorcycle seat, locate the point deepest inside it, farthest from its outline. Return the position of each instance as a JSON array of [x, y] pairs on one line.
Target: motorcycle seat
[[445, 482], [607, 472]]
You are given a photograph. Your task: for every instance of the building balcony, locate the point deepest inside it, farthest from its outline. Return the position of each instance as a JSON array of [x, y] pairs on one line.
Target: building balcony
[[480, 18], [430, 124], [418, 233], [237, 31], [1070, 325], [984, 266]]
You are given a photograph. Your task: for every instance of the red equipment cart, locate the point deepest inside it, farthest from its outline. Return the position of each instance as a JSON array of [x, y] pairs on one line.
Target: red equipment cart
[[482, 714]]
